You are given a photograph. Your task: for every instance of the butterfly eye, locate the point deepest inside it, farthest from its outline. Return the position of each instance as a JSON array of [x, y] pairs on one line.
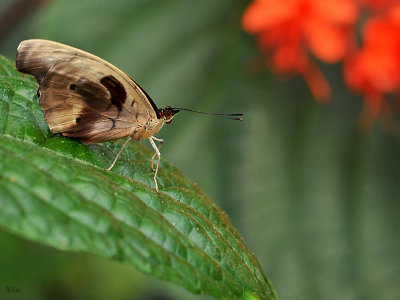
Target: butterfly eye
[[165, 113], [168, 115]]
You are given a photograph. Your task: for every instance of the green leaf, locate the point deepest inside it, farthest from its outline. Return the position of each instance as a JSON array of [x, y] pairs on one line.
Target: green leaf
[[55, 191]]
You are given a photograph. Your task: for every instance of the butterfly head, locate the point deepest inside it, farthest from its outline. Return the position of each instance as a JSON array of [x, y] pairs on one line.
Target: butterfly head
[[167, 113]]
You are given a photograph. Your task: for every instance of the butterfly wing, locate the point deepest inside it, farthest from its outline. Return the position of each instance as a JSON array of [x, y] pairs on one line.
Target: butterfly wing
[[84, 96]]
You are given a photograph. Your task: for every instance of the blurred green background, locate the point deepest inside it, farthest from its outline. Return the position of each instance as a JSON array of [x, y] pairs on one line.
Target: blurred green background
[[316, 199]]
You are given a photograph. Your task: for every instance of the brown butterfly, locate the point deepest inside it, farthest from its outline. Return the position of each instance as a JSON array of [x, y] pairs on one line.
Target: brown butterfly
[[87, 98]]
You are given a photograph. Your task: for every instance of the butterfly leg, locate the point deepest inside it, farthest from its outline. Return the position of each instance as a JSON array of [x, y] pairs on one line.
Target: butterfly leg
[[119, 154], [157, 152], [161, 141]]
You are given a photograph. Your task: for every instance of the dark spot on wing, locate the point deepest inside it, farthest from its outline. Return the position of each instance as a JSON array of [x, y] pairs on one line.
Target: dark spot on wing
[[38, 93], [116, 89]]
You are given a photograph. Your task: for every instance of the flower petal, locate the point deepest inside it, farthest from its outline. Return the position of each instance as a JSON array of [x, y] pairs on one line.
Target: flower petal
[[336, 12], [327, 42]]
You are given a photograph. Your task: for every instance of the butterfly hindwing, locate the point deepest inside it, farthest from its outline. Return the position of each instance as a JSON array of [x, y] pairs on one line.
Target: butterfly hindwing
[[78, 105]]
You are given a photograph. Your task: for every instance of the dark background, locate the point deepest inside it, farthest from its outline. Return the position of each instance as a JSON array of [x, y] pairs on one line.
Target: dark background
[[314, 197]]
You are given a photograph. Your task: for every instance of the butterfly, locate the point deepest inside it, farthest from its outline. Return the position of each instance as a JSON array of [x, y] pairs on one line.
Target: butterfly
[[87, 98]]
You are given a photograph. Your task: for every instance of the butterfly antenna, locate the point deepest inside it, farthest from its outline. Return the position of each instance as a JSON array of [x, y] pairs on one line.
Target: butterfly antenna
[[237, 117]]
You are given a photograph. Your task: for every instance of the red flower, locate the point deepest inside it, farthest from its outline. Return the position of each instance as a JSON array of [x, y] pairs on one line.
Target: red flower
[[374, 70], [291, 30]]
